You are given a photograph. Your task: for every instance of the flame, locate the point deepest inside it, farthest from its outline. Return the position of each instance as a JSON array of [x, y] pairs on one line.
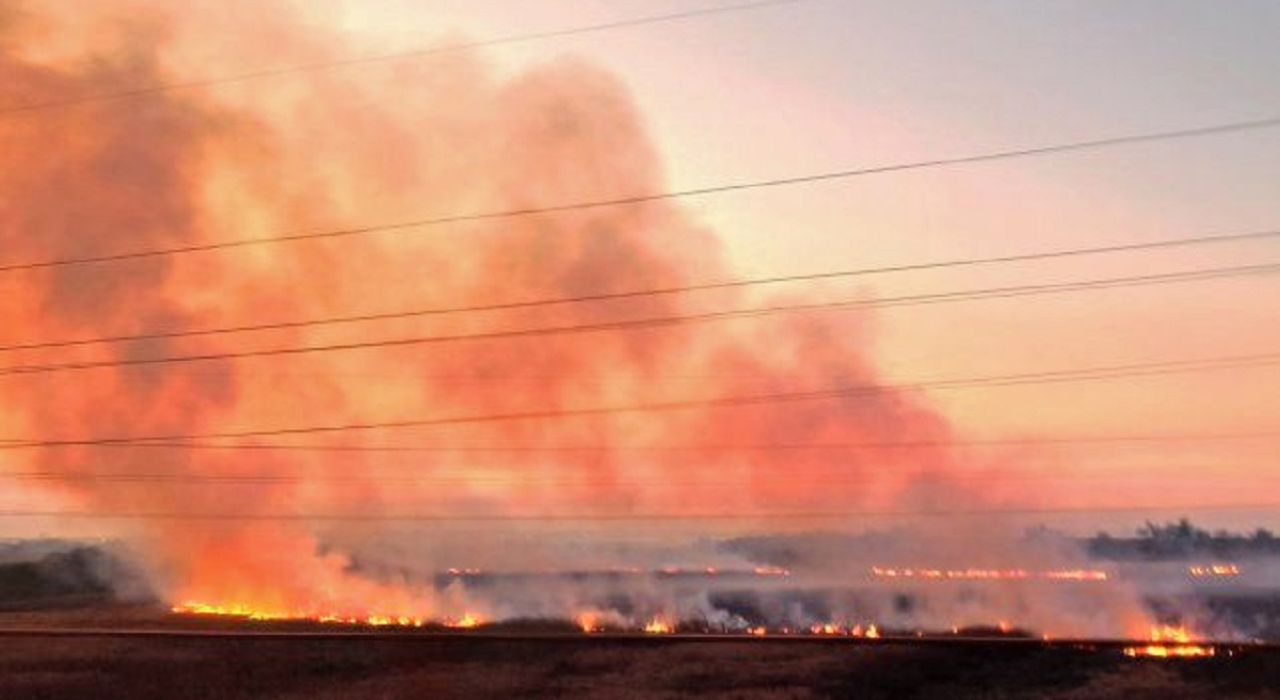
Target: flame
[[1170, 642], [659, 626], [240, 610], [1169, 633], [1214, 571], [771, 571], [250, 612], [976, 574], [467, 621], [1076, 575], [589, 622], [1165, 641], [1165, 651]]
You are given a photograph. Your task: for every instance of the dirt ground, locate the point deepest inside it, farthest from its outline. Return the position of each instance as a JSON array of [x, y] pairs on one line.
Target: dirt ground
[[329, 669]]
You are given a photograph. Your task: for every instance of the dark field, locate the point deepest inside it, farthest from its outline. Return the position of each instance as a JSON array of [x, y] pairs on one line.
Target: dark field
[[319, 669]]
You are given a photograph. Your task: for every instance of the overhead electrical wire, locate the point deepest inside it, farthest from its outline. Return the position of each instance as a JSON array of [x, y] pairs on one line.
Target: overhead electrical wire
[[641, 293], [642, 198], [713, 447], [1095, 373], [435, 477], [1199, 274], [151, 90], [241, 518]]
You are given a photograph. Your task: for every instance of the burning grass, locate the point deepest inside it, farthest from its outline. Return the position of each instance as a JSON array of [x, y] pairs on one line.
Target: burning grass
[[1168, 642], [239, 611], [1165, 641], [978, 574]]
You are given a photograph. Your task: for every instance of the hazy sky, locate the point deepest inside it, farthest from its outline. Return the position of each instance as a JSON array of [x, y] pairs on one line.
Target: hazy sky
[[832, 84]]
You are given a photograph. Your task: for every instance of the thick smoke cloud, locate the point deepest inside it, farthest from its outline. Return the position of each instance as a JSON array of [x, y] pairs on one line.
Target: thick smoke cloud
[[325, 150]]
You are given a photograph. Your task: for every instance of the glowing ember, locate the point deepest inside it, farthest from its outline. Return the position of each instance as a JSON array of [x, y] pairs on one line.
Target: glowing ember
[[974, 574], [771, 571], [757, 631]]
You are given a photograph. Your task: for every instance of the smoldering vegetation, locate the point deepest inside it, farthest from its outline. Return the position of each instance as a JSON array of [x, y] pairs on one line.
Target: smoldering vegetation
[[1048, 584], [1222, 584]]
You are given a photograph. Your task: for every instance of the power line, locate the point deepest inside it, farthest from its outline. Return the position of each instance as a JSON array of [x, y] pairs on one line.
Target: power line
[[1200, 274], [388, 57], [625, 517], [611, 296], [197, 479], [1104, 372], [730, 447], [447, 219]]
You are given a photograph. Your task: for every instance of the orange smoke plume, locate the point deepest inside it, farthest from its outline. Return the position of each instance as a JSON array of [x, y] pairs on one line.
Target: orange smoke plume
[[328, 150]]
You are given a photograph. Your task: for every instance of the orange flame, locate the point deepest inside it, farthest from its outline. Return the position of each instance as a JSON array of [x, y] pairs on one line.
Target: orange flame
[[976, 574], [1170, 642], [1214, 571], [589, 622], [250, 612], [659, 626], [467, 621]]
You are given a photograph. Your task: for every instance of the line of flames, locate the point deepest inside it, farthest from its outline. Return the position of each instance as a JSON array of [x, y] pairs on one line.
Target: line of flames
[[1197, 571], [762, 571], [248, 612], [660, 625], [1165, 641], [991, 574], [1170, 642], [1214, 571]]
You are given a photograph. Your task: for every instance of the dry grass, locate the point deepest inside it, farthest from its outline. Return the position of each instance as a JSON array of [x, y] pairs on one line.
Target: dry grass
[[367, 669]]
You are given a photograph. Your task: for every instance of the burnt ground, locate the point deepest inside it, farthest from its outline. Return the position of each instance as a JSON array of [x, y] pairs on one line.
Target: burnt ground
[[324, 669]]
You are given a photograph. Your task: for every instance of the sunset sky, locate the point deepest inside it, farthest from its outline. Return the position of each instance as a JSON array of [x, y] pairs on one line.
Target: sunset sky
[[822, 85]]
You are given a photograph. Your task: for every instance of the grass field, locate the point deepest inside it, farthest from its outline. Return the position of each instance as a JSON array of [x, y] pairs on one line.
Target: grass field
[[324, 669]]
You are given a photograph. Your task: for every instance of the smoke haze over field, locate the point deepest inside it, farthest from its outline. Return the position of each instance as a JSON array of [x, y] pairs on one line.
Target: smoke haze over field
[[438, 136]]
